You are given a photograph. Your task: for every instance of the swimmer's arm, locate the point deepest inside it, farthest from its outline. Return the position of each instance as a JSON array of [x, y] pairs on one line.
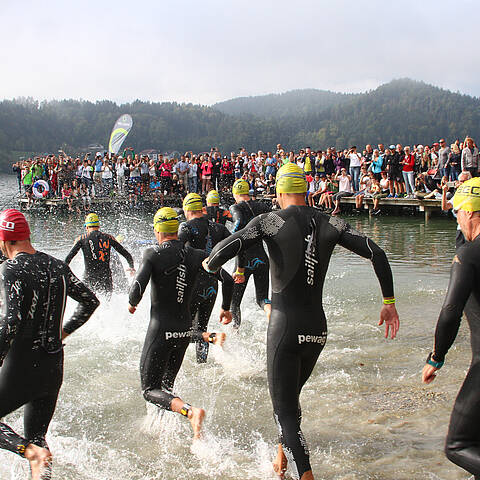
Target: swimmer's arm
[[87, 304], [462, 278], [236, 244], [227, 288], [73, 251], [367, 248], [10, 317], [122, 251], [140, 282]]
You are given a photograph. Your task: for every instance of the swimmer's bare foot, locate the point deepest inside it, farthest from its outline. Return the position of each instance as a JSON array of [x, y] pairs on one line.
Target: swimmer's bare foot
[[40, 462], [280, 463], [267, 308], [196, 417]]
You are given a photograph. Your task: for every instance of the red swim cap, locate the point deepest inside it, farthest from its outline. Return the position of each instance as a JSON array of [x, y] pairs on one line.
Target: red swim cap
[[13, 225]]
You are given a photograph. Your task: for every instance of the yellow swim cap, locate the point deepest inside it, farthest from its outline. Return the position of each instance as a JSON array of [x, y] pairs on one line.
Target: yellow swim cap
[[91, 220], [166, 220], [192, 202], [291, 179], [467, 196], [213, 197], [241, 187]]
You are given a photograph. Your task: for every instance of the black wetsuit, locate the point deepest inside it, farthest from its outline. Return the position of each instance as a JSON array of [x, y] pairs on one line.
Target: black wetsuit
[[255, 260], [173, 269], [202, 234], [300, 242], [463, 439], [34, 290], [218, 214], [96, 254]]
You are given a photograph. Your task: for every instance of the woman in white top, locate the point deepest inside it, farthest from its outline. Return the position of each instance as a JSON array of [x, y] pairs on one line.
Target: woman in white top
[[107, 178], [344, 189]]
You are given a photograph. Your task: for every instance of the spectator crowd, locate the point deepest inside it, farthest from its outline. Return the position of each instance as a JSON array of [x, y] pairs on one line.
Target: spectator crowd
[[395, 171]]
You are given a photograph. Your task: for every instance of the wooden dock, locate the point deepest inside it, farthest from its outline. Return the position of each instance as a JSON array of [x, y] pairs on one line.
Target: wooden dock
[[396, 206]]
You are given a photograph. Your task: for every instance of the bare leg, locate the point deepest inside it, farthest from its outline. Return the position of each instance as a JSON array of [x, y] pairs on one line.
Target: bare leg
[[280, 463], [195, 415], [307, 476], [267, 308], [40, 461]]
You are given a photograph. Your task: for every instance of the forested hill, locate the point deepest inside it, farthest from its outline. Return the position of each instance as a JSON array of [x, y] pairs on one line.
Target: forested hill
[[403, 111], [295, 102]]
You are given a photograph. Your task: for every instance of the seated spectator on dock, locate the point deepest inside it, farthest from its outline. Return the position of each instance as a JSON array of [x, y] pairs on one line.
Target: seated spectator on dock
[[380, 193]]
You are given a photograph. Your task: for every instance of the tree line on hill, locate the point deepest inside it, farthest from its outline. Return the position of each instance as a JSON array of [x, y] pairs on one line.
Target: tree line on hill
[[404, 111]]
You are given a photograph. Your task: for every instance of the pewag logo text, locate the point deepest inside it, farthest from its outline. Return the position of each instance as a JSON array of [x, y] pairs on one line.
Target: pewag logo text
[[169, 335], [321, 339]]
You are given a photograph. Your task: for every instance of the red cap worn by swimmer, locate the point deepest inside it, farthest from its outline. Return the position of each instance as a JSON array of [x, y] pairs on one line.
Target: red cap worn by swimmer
[[13, 226]]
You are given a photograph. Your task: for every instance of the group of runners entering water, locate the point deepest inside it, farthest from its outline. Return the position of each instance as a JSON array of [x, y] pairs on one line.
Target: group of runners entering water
[[183, 269]]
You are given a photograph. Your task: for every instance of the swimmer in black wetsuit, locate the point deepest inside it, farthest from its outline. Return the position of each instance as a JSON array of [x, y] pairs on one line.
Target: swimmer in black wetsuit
[[95, 247], [33, 291], [300, 242], [463, 295], [214, 211], [173, 269], [201, 233], [255, 260]]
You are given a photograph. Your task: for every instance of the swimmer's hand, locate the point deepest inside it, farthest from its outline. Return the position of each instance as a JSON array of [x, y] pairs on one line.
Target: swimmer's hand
[[131, 271], [239, 275], [389, 315], [64, 334], [225, 316], [131, 309], [428, 374]]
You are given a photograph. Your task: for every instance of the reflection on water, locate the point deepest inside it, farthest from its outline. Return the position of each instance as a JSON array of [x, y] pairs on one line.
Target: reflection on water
[[366, 414]]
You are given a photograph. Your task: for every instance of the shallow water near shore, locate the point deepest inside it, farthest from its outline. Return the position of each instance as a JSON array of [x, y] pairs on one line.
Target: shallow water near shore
[[366, 414]]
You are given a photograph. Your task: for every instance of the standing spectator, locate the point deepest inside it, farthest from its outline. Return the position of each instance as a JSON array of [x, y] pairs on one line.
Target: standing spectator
[[192, 175], [443, 156], [17, 169], [270, 165], [182, 170], [216, 163], [107, 178], [309, 162], [355, 163], [97, 174], [469, 159], [454, 162], [121, 168], [87, 173], [166, 176], [408, 164], [226, 174], [206, 168], [144, 173]]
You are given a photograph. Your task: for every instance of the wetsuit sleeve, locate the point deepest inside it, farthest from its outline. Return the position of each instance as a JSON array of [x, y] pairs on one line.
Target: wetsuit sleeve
[[11, 441], [73, 251], [87, 303], [141, 280], [227, 288], [236, 218], [367, 248], [122, 251], [237, 243], [184, 233], [462, 279], [11, 308]]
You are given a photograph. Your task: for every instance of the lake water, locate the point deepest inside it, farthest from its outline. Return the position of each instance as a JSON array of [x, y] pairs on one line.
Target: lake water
[[366, 414]]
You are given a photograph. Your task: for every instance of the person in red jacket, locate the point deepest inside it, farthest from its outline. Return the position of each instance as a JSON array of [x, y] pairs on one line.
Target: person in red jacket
[[408, 164], [226, 174], [206, 168]]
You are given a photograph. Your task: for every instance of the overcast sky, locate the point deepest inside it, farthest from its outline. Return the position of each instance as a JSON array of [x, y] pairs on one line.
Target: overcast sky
[[204, 51]]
